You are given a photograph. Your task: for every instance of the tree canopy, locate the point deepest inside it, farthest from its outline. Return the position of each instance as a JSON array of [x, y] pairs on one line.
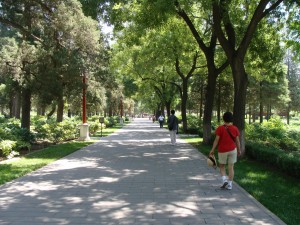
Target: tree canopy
[[227, 55]]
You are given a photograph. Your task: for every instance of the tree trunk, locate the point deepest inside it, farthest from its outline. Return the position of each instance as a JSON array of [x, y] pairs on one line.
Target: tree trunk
[[219, 102], [168, 107], [15, 105], [201, 101], [183, 104], [240, 89], [41, 110], [249, 114], [208, 107], [52, 111], [269, 111], [162, 108], [60, 110], [213, 71], [26, 106], [110, 110], [288, 115], [69, 113], [254, 116], [261, 106]]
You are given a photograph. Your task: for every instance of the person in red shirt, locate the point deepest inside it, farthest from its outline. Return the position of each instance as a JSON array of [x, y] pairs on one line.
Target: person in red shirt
[[228, 142]]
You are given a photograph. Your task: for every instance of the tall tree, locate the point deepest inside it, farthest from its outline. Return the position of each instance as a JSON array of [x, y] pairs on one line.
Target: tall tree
[[293, 76], [197, 16], [69, 43], [235, 28]]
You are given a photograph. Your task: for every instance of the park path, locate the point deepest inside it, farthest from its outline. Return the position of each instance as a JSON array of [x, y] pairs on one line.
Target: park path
[[134, 176]]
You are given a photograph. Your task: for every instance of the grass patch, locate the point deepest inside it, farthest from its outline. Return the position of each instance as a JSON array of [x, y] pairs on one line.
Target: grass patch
[[275, 190], [107, 131], [11, 170]]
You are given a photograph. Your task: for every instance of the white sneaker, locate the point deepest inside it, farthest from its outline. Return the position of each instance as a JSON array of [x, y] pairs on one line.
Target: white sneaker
[[228, 187]]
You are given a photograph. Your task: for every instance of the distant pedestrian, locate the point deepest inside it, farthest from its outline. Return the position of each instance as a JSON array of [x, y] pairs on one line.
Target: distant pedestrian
[[173, 126], [153, 118], [161, 119], [228, 142]]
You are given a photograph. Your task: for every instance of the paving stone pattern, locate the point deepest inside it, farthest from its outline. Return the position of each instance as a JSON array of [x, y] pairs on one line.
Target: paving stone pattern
[[134, 176]]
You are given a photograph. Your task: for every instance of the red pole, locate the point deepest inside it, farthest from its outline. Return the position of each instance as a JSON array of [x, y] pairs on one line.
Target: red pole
[[84, 99], [121, 106]]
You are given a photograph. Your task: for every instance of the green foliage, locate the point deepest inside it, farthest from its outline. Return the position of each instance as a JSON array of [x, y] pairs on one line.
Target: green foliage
[[275, 157], [40, 126], [274, 133], [257, 178], [193, 124], [13, 138], [94, 126], [111, 121], [10, 129], [36, 160], [54, 131], [7, 148], [63, 131]]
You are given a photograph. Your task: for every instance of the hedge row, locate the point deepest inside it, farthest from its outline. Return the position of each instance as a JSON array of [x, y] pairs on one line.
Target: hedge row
[[288, 162], [13, 138]]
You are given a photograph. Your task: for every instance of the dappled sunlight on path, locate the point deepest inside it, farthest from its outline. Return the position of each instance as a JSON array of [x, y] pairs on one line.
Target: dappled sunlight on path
[[134, 176]]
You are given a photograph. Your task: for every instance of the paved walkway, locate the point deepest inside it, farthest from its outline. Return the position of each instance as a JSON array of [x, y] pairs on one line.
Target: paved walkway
[[131, 177]]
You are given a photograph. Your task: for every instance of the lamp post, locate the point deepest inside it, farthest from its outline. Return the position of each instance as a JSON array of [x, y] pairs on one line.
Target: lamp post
[[84, 127], [84, 98]]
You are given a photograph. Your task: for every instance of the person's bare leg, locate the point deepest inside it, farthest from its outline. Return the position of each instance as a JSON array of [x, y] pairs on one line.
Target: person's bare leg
[[223, 175], [222, 169], [230, 171]]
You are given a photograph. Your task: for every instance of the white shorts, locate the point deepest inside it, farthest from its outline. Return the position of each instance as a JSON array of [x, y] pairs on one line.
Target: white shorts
[[231, 157]]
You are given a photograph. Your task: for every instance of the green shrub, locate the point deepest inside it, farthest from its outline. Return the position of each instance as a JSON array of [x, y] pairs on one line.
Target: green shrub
[[63, 131], [41, 127], [53, 131], [7, 147], [275, 133], [23, 145], [94, 127], [11, 129], [276, 157], [24, 135], [111, 121], [94, 118], [193, 124]]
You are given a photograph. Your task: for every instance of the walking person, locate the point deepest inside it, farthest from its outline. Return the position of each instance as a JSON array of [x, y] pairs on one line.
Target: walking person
[[228, 142], [173, 126], [153, 118], [161, 121]]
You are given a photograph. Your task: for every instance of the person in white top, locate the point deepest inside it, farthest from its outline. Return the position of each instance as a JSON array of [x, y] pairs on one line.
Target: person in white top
[[161, 121]]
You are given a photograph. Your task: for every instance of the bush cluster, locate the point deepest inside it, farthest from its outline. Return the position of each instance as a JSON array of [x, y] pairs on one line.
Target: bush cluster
[[193, 125], [274, 143], [274, 133], [275, 157], [111, 121], [13, 138], [50, 130]]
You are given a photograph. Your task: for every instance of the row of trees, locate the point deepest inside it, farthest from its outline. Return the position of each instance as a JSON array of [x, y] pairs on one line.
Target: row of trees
[[228, 54], [46, 49], [195, 55]]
